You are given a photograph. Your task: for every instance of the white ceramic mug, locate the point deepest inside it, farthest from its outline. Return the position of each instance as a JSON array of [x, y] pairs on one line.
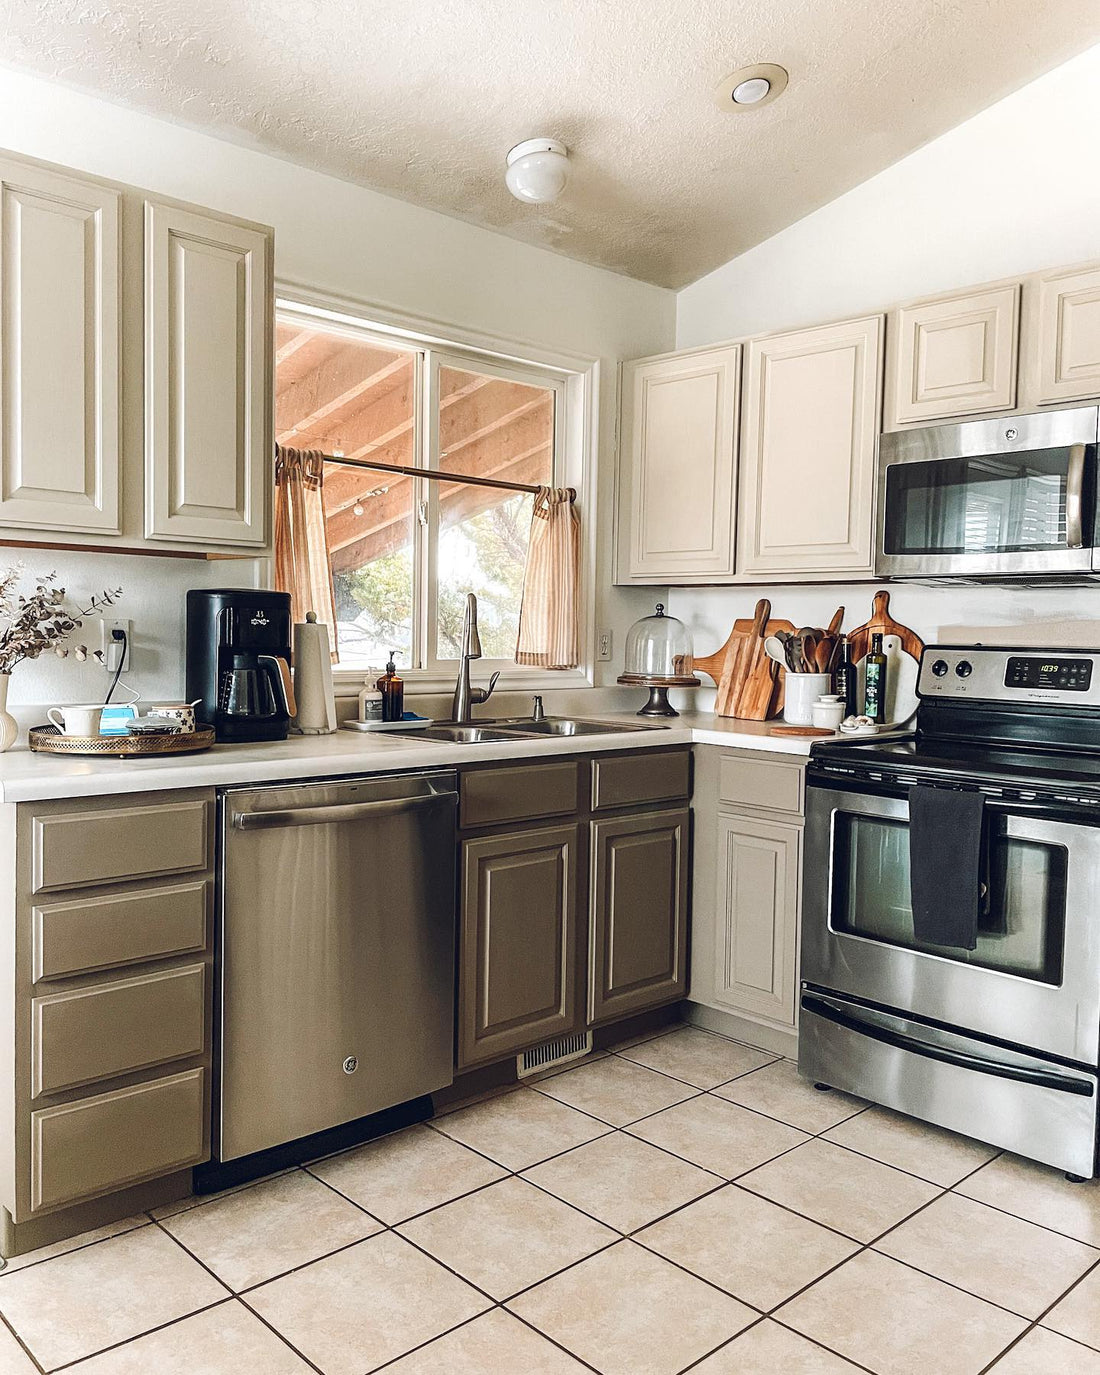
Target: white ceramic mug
[[800, 692], [81, 720]]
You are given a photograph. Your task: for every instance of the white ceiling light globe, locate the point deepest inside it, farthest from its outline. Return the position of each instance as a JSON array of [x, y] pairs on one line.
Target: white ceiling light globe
[[537, 170], [753, 90]]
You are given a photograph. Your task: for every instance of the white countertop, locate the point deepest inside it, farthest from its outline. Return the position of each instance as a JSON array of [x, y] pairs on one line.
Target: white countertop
[[29, 777]]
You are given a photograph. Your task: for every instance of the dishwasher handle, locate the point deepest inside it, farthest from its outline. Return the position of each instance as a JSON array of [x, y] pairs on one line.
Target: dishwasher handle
[[335, 812]]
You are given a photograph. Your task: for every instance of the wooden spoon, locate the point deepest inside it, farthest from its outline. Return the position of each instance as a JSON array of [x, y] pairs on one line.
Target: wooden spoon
[[835, 623]]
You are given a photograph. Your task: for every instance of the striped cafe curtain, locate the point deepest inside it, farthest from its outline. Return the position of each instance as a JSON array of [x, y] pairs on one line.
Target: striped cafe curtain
[[549, 635], [302, 565]]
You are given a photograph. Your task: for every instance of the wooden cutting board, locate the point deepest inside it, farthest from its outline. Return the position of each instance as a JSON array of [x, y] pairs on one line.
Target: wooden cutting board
[[758, 692], [902, 647]]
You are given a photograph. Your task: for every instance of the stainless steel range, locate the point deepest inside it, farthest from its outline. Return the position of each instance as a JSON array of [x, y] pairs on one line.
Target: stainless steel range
[[951, 909]]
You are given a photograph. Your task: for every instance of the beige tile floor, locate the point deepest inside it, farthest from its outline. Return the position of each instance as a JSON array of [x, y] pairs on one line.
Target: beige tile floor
[[684, 1203]]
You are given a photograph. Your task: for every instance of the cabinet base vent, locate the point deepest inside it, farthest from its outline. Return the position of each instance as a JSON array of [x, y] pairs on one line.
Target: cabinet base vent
[[551, 1053]]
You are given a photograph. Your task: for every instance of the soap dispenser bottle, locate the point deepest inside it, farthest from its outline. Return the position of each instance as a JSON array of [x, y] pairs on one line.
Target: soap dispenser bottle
[[393, 691]]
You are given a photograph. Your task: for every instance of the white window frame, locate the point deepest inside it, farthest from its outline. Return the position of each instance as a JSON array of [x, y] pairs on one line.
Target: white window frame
[[575, 380]]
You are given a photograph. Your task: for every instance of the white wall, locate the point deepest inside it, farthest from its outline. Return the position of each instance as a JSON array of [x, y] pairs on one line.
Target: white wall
[[334, 237], [1014, 189]]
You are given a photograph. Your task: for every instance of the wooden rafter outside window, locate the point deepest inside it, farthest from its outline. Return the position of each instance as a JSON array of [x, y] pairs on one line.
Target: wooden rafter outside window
[[405, 550]]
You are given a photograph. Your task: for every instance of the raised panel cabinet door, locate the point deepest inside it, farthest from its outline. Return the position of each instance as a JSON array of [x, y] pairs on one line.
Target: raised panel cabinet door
[[809, 425], [59, 343], [678, 467], [639, 913], [208, 385], [757, 917], [517, 942], [953, 356], [1061, 336]]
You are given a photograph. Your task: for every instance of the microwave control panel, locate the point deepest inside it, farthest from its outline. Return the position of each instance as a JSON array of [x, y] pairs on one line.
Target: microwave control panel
[[981, 673]]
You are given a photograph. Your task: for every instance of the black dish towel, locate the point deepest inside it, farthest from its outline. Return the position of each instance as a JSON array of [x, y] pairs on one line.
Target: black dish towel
[[945, 865]]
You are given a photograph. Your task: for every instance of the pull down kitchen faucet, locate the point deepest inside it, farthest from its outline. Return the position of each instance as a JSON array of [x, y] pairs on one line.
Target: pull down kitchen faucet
[[465, 696]]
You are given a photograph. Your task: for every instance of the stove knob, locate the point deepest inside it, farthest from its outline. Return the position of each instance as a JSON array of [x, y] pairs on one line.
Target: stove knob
[[939, 668], [963, 669]]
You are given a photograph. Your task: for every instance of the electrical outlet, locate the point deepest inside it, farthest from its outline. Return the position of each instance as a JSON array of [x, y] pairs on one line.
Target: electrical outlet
[[603, 646], [110, 646]]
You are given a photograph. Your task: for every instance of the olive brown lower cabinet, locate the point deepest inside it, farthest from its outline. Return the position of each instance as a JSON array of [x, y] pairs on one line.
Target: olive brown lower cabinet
[[573, 899], [105, 989], [746, 903]]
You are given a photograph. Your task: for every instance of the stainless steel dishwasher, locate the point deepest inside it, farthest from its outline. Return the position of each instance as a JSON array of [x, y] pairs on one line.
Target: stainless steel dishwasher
[[335, 992]]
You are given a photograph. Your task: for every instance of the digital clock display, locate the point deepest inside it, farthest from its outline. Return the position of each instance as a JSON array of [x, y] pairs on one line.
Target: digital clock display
[[1055, 675]]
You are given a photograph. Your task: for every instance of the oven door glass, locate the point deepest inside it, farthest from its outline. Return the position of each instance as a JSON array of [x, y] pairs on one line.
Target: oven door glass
[[1036, 501], [1023, 922]]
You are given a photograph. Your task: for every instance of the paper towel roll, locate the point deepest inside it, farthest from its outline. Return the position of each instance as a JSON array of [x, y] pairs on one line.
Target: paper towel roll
[[313, 678]]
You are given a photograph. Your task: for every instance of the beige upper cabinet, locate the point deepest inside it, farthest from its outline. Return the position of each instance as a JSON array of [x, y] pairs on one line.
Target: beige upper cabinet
[[59, 351], [952, 356], [208, 427], [678, 447], [810, 420], [1061, 352]]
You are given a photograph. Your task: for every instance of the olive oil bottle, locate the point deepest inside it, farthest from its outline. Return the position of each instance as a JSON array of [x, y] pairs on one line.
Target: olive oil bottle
[[874, 682]]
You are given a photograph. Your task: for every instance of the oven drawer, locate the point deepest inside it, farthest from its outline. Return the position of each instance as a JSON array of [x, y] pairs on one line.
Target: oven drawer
[[1034, 1107]]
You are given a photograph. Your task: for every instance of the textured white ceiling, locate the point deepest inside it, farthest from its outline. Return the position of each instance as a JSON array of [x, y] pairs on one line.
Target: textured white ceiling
[[423, 98]]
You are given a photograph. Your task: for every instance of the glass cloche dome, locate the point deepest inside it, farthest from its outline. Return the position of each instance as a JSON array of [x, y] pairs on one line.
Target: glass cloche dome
[[659, 656]]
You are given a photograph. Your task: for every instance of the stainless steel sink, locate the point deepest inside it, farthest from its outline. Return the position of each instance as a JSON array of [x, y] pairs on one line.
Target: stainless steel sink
[[454, 734], [512, 728], [568, 725]]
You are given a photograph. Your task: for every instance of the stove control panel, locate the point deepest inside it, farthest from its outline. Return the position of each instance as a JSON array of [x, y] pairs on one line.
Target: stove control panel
[[980, 673]]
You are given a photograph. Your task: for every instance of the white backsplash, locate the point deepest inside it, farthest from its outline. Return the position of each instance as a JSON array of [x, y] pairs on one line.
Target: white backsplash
[[153, 598], [1044, 617]]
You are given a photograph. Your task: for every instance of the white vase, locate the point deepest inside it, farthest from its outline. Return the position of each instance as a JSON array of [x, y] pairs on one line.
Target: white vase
[[9, 729]]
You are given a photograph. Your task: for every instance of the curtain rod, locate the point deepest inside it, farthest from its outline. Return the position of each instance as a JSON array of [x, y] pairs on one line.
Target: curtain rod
[[439, 475]]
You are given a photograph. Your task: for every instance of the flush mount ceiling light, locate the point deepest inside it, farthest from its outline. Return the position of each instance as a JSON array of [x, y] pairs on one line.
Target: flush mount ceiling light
[[537, 170], [750, 87]]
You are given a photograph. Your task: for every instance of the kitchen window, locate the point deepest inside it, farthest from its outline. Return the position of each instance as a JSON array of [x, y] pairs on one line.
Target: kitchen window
[[405, 550]]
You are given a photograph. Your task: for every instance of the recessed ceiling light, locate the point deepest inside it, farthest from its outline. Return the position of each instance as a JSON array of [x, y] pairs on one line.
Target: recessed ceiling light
[[749, 88]]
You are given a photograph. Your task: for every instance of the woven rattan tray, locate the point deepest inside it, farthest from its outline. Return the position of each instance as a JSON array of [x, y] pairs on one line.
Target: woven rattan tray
[[49, 740]]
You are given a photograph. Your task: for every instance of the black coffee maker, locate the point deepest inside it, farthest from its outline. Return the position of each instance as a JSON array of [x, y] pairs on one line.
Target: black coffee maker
[[238, 661]]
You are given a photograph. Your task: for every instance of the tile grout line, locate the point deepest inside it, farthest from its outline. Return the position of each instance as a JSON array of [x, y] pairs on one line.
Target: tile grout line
[[23, 1345], [129, 1341], [1037, 1322]]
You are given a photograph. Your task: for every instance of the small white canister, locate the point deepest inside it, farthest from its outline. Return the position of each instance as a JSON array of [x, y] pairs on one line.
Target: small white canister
[[800, 692], [828, 712]]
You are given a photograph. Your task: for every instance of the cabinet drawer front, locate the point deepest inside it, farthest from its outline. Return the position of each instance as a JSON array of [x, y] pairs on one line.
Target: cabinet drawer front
[[97, 1145], [767, 783], [492, 795], [120, 928], [109, 1029], [75, 849], [638, 778]]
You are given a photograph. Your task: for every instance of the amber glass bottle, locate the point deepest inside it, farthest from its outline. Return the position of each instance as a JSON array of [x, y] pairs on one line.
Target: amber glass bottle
[[393, 691]]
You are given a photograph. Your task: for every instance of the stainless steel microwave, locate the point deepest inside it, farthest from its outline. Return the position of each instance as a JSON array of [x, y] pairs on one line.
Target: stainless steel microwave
[[991, 499]]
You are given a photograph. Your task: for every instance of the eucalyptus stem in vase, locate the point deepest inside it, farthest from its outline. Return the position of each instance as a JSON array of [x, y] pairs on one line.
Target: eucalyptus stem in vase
[[36, 623]]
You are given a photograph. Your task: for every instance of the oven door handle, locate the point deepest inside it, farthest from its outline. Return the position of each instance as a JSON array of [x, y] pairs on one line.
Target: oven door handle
[[1075, 497], [1041, 1079]]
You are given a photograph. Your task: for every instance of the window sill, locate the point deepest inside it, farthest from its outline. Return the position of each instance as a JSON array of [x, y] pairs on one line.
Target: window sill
[[349, 682]]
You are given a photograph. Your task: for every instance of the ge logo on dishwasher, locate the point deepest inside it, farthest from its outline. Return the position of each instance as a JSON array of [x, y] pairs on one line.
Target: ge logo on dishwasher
[[351, 1064]]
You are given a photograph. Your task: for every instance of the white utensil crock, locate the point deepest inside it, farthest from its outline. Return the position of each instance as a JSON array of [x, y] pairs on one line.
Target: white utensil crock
[[9, 729], [800, 692]]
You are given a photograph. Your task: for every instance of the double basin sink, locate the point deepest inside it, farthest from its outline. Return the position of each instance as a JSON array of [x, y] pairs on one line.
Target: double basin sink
[[514, 728]]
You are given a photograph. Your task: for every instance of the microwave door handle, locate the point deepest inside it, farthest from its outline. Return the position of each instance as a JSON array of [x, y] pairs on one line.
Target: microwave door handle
[[945, 1054], [1075, 497]]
